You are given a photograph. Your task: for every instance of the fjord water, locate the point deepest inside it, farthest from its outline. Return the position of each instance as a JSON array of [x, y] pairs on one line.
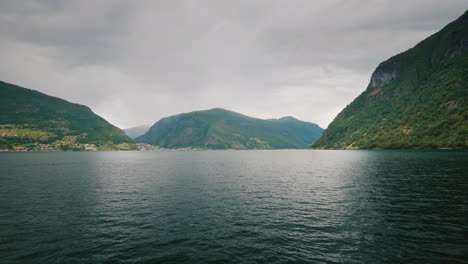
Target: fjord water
[[288, 206]]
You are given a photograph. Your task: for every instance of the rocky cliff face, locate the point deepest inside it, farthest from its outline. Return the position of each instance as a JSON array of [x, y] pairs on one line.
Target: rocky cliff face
[[380, 78], [416, 99]]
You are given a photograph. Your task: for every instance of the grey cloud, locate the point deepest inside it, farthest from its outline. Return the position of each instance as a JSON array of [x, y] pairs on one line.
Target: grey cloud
[[134, 62], [83, 31]]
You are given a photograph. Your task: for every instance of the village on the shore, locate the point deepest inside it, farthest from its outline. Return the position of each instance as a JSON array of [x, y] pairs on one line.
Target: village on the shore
[[56, 146]]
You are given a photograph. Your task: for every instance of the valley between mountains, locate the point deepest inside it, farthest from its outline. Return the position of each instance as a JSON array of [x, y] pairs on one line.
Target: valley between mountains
[[417, 99]]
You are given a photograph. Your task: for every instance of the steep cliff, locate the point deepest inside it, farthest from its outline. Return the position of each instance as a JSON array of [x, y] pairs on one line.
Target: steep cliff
[[416, 99]]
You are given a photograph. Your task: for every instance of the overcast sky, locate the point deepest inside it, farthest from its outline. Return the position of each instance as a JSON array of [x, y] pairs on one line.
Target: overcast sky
[[134, 62]]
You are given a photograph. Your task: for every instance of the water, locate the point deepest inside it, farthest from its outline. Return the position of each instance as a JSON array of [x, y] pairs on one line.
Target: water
[[288, 206]]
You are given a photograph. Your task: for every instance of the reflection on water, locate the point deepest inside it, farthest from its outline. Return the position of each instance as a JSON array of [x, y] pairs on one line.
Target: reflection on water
[[234, 207]]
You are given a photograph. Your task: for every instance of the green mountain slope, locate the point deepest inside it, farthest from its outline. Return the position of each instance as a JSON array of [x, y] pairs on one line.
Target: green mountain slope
[[28, 117], [416, 99], [137, 131], [222, 129]]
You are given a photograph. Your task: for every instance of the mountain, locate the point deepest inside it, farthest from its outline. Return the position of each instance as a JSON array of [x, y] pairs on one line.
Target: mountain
[[29, 118], [222, 129], [137, 131], [416, 99]]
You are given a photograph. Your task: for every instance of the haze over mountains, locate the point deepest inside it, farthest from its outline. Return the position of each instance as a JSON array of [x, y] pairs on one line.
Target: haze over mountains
[[137, 131], [416, 99], [222, 129], [30, 120]]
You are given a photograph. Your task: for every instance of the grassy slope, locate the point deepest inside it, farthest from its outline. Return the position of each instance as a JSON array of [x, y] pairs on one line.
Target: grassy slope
[[425, 106], [222, 129], [35, 117]]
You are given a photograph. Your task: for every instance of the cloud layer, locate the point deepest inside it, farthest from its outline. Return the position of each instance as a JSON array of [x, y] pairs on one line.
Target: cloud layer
[[134, 62]]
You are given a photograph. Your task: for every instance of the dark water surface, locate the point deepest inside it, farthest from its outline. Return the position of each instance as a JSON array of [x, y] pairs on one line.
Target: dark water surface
[[288, 206]]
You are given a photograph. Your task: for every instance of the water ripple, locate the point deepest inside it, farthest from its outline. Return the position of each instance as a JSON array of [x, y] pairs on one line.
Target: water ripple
[[234, 207]]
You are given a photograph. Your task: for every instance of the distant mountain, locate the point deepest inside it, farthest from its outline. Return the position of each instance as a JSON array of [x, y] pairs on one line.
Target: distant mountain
[[222, 129], [137, 131], [416, 99], [28, 118]]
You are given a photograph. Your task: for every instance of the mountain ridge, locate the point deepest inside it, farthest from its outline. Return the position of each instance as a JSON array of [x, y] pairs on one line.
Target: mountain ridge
[[415, 99], [219, 128], [29, 118]]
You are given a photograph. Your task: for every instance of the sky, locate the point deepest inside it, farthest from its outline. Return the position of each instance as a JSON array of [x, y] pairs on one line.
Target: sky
[[134, 62]]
